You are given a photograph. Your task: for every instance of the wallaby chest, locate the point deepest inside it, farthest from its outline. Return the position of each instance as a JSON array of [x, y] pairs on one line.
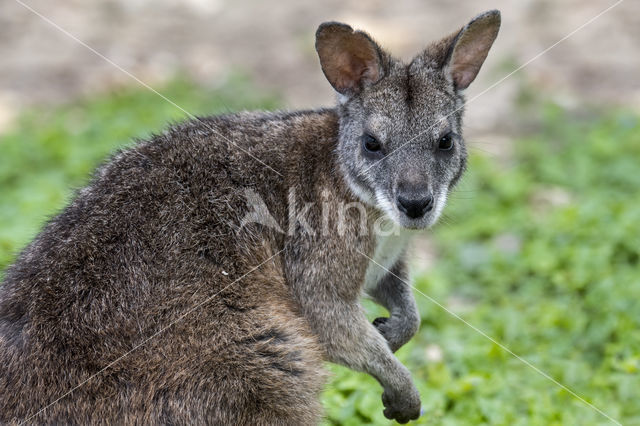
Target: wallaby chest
[[387, 251]]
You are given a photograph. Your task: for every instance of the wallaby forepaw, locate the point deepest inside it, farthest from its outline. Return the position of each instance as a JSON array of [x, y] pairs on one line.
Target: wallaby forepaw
[[395, 331], [383, 324], [402, 408]]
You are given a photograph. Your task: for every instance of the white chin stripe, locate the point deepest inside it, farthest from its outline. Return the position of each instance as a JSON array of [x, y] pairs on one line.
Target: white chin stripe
[[342, 99]]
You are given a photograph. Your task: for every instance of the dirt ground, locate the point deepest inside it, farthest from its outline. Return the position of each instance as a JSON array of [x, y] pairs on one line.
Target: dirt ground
[[273, 43]]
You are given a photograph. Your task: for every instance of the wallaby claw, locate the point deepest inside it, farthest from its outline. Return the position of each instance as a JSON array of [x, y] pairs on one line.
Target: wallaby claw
[[379, 321]]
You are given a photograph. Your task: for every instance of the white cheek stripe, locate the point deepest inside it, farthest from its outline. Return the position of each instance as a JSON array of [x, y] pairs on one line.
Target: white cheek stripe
[[385, 205], [440, 203]]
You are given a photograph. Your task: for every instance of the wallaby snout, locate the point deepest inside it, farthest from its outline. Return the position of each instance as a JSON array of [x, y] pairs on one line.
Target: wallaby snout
[[414, 205]]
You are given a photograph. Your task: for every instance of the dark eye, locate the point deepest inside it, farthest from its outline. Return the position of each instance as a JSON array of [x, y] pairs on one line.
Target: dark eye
[[446, 142], [371, 144]]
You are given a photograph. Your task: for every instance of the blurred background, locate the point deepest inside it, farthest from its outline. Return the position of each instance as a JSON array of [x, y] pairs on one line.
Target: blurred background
[[540, 244]]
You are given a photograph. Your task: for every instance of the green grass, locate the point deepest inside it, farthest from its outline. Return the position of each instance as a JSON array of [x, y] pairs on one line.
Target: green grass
[[540, 253]]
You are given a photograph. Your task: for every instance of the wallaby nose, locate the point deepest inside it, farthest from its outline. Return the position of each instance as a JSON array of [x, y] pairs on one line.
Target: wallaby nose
[[415, 207]]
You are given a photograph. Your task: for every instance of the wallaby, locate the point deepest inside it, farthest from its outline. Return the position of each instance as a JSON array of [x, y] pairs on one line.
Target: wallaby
[[149, 298]]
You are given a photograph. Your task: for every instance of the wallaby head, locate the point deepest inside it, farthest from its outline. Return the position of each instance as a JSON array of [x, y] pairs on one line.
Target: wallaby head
[[401, 147]]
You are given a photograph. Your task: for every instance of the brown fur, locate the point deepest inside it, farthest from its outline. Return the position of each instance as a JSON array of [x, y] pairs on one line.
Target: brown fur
[[135, 250]]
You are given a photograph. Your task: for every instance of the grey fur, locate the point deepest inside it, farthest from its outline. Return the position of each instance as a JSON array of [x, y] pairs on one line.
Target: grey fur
[[158, 231]]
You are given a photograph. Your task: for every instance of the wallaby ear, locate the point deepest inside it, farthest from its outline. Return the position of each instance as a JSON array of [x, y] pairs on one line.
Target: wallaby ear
[[349, 59], [470, 47]]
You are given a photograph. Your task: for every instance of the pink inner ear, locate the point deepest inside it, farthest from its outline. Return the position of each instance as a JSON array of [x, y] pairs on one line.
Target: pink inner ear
[[471, 50], [468, 57], [352, 70], [348, 58], [348, 72], [370, 71], [463, 77]]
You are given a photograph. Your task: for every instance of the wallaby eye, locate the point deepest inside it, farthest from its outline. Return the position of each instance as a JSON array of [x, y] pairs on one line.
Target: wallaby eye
[[371, 144], [446, 142]]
